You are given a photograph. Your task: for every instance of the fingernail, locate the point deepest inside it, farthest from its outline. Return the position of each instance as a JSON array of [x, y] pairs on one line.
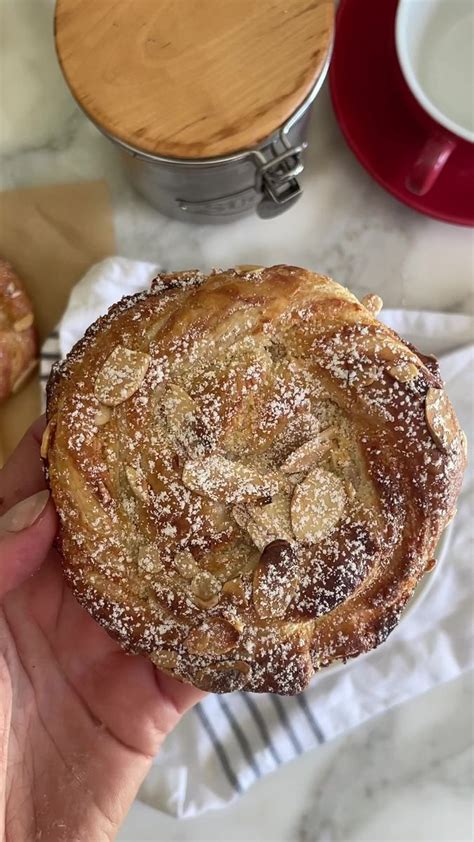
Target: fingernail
[[25, 513]]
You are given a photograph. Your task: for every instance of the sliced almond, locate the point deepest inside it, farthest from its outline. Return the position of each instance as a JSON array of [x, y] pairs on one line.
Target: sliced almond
[[179, 402], [304, 457], [137, 483], [223, 480], [216, 517], [404, 372], [121, 375], [215, 636], [148, 559], [270, 521], [393, 352], [440, 418], [241, 667], [295, 479], [224, 677], [241, 515], [164, 659], [86, 505], [24, 323], [317, 504], [205, 589], [364, 376], [350, 490], [46, 438], [299, 428], [206, 604], [102, 415], [244, 268], [373, 303], [24, 376], [275, 581], [235, 588], [258, 534], [267, 522], [185, 564], [173, 599], [103, 492], [340, 459], [463, 442]]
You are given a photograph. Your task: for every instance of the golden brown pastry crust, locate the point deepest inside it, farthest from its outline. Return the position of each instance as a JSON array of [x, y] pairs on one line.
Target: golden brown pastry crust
[[17, 334], [251, 473]]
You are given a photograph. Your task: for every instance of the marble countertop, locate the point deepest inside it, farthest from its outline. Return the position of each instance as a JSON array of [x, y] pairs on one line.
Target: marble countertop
[[406, 775]]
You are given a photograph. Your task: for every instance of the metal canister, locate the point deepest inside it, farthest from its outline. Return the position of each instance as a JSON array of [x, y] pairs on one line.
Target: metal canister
[[264, 178]]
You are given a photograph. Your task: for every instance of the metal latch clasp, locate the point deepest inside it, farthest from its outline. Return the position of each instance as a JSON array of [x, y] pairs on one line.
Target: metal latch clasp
[[277, 176]]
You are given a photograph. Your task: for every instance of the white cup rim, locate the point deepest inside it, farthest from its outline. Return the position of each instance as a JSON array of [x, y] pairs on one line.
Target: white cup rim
[[412, 81]]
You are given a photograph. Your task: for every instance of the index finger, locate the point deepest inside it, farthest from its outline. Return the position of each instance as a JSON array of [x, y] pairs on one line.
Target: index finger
[[22, 474]]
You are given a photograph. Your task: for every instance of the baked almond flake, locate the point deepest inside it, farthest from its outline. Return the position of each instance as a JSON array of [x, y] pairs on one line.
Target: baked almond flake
[[246, 268], [24, 376], [317, 505], [304, 457], [235, 589], [205, 590], [215, 636], [102, 415], [46, 438], [275, 580], [440, 418], [364, 376], [404, 372], [149, 560], [373, 303], [24, 323], [225, 676], [164, 659], [121, 375], [137, 483], [270, 521], [185, 564]]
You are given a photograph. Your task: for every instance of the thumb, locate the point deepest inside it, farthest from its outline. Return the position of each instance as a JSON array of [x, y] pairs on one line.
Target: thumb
[[27, 532]]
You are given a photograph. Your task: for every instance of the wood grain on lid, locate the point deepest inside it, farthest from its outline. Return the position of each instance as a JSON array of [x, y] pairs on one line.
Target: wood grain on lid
[[192, 78]]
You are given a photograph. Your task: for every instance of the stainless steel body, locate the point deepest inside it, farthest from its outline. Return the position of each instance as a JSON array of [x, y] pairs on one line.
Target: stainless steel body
[[215, 190]]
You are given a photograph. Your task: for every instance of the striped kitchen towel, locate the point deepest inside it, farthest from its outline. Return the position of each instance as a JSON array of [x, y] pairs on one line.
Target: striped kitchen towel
[[50, 354], [226, 743]]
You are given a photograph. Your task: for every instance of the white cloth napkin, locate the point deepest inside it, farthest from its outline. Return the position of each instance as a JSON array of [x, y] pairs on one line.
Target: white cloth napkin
[[227, 743]]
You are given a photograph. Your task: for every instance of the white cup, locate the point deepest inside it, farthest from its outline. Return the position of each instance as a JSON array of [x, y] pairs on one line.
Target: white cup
[[435, 47]]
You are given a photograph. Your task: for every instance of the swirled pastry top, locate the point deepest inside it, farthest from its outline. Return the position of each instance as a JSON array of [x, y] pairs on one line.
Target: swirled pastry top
[[251, 474]]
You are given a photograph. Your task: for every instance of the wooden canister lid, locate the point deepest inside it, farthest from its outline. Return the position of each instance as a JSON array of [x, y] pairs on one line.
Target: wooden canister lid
[[192, 78]]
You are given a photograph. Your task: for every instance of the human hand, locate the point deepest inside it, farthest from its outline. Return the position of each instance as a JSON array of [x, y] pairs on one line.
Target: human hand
[[80, 720]]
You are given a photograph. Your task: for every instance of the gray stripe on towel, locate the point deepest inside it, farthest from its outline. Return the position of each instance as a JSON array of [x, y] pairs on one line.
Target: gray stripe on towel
[[261, 726], [219, 749], [314, 724], [240, 737], [280, 709]]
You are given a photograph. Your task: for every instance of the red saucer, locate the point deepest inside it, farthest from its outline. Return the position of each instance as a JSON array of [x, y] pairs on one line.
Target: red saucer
[[380, 119]]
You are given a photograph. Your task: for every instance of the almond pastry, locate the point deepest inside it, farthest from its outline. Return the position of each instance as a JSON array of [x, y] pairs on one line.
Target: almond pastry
[[18, 347], [251, 474]]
